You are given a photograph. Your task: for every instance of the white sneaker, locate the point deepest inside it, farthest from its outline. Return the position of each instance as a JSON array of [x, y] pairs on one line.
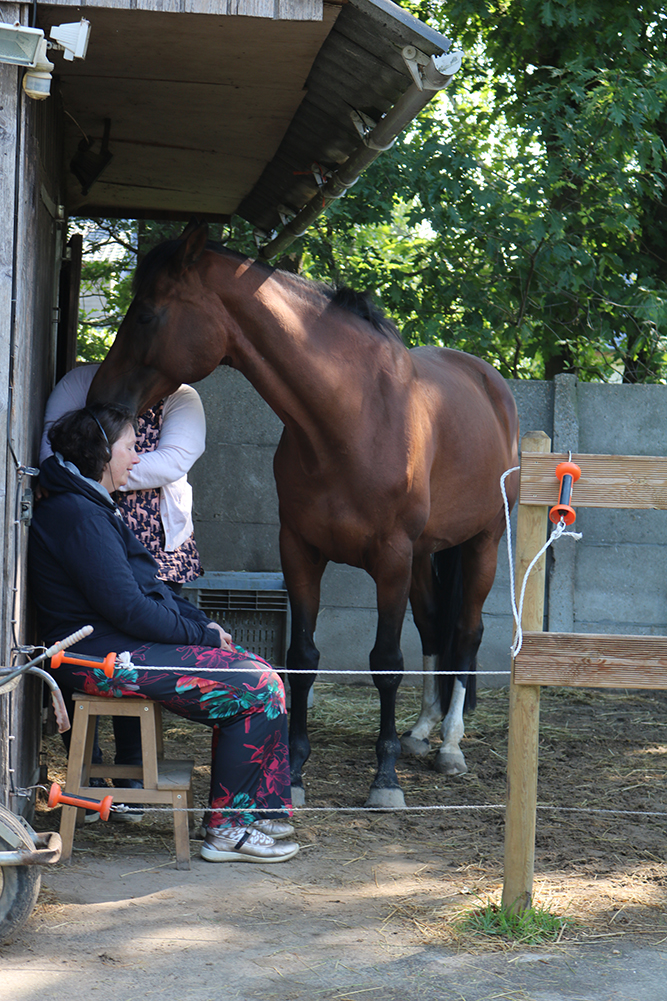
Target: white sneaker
[[276, 829], [243, 844]]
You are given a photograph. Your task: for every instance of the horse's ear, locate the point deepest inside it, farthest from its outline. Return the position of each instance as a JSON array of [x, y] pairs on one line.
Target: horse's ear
[[193, 241], [190, 228]]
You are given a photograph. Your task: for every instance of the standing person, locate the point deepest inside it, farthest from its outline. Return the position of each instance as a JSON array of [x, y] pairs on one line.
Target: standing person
[[87, 567], [156, 504]]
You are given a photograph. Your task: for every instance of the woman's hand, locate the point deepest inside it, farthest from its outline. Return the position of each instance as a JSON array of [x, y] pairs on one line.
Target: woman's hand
[[225, 638]]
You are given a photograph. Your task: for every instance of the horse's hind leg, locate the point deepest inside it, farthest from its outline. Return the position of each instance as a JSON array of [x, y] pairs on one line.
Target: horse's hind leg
[[424, 610], [302, 579], [479, 556]]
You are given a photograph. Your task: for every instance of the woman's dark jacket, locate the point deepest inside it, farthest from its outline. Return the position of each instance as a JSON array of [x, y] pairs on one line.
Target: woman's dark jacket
[[87, 568]]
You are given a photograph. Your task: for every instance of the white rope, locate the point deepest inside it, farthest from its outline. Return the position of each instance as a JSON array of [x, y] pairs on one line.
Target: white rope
[[249, 665], [397, 809], [558, 531]]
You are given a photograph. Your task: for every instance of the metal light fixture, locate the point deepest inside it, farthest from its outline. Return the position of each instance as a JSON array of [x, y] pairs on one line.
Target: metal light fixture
[[37, 78], [20, 46], [71, 38]]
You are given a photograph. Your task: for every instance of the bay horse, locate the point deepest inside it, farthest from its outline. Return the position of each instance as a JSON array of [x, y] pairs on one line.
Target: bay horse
[[389, 460]]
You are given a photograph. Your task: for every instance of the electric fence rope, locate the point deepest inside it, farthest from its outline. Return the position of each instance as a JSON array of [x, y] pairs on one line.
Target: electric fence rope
[[451, 808]]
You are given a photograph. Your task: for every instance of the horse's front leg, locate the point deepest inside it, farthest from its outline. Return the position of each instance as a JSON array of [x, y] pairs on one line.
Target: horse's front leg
[[392, 596], [303, 576]]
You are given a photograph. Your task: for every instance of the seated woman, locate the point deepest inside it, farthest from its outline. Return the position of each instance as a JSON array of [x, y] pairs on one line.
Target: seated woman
[[87, 567]]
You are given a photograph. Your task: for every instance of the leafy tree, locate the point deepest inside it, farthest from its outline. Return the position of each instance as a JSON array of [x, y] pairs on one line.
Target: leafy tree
[[529, 227]]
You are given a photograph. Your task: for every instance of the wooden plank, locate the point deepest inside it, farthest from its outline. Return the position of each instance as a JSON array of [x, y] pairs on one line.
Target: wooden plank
[[216, 118], [186, 47], [615, 481], [284, 10], [593, 661], [524, 714]]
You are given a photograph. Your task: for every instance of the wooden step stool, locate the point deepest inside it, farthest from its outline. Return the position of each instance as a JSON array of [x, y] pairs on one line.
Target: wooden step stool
[[164, 781]]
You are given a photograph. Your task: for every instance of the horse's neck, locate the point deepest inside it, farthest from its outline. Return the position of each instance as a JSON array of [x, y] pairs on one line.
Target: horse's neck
[[314, 369]]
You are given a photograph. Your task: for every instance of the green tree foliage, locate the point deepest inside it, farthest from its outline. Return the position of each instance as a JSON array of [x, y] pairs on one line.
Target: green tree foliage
[[523, 216], [109, 255]]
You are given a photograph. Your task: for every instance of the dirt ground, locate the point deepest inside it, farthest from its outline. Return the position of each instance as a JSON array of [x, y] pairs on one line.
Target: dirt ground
[[371, 906]]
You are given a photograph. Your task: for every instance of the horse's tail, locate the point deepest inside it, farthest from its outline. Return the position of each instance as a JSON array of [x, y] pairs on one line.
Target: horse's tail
[[448, 587]]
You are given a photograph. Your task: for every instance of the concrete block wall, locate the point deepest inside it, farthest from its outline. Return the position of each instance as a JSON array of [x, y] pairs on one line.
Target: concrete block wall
[[611, 581], [620, 566]]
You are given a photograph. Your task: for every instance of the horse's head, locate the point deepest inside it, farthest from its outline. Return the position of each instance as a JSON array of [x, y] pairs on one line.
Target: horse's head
[[171, 333]]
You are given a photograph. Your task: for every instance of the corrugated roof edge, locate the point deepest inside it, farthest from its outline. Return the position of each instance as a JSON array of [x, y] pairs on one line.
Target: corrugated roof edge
[[374, 8]]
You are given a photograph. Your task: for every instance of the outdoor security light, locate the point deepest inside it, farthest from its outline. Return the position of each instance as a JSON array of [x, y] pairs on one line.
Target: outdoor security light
[[72, 38], [19, 46], [37, 79], [27, 47]]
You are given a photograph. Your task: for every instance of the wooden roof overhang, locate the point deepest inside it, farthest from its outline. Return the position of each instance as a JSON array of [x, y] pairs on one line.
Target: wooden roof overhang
[[214, 113]]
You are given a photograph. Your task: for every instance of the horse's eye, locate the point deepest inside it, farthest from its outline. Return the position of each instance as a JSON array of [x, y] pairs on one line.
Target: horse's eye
[[145, 318]]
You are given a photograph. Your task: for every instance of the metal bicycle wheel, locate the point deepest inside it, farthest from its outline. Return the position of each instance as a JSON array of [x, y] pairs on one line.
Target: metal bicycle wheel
[[19, 884]]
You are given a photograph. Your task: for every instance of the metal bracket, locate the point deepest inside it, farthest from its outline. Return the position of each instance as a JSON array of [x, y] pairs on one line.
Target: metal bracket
[[286, 214], [431, 72], [414, 58], [261, 236], [27, 501], [363, 123], [320, 174]]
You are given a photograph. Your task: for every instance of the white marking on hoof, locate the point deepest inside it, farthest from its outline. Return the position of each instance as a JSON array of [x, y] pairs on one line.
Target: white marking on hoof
[[298, 796], [450, 760], [448, 763], [411, 745], [386, 798]]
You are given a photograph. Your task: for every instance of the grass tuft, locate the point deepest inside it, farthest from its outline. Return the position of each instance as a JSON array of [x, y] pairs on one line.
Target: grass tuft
[[534, 926]]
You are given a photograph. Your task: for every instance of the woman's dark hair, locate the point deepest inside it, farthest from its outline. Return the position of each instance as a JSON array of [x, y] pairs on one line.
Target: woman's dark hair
[[85, 437]]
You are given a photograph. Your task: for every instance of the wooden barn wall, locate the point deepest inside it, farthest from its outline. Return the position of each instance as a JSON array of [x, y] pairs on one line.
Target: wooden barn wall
[[30, 251]]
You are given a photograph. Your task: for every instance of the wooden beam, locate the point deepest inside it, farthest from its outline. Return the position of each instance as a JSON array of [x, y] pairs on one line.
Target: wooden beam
[[287, 10], [614, 481], [592, 661]]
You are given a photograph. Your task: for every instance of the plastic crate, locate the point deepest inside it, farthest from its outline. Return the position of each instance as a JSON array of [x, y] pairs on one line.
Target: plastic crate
[[253, 607]]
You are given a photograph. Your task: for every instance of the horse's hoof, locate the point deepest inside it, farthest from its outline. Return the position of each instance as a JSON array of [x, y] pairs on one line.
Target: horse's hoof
[[387, 799], [412, 745], [298, 796], [450, 764]]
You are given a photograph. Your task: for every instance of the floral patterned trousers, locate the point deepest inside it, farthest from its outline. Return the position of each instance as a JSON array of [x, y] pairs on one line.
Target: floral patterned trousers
[[250, 777]]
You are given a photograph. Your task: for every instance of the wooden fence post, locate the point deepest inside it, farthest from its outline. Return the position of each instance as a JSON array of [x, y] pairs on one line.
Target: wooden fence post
[[524, 709]]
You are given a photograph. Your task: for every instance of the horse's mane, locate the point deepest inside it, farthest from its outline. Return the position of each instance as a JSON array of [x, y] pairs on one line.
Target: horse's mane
[[362, 305], [359, 303]]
